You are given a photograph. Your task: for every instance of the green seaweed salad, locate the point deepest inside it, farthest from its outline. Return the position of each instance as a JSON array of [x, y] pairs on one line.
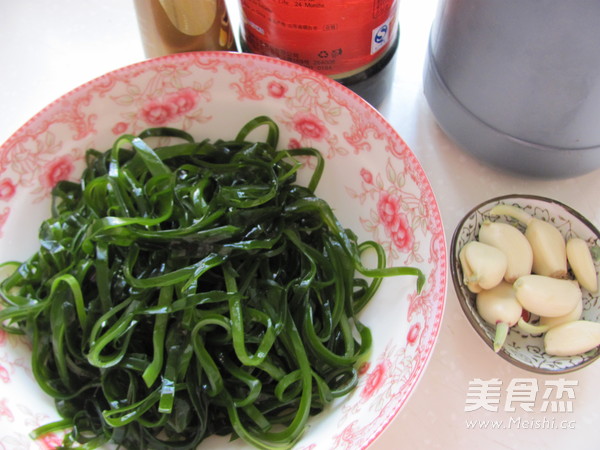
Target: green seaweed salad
[[192, 289]]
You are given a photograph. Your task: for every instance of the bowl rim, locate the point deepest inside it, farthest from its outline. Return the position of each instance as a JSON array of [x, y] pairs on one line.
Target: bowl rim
[[455, 269], [144, 64], [436, 320]]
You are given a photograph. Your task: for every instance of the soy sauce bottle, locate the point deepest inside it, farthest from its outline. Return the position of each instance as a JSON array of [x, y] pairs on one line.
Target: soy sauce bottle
[[352, 41]]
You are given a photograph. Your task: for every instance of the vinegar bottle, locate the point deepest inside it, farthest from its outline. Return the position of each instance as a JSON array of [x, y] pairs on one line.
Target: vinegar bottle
[[175, 26], [351, 41]]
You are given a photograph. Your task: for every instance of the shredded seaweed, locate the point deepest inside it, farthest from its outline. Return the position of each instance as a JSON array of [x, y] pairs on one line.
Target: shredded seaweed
[[192, 289]]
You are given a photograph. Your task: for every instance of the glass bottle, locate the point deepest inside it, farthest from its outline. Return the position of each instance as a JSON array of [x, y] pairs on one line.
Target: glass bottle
[[351, 41], [175, 26]]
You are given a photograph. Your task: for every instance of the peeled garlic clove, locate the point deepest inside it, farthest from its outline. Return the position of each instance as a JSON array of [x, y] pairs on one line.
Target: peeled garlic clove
[[512, 243], [499, 307], [511, 211], [547, 296], [499, 304], [487, 264], [581, 262], [531, 328], [547, 243], [548, 246], [575, 314], [468, 273], [572, 338]]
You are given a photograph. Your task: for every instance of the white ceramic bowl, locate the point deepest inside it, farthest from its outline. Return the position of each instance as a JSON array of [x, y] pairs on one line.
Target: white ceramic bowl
[[372, 180], [522, 349]]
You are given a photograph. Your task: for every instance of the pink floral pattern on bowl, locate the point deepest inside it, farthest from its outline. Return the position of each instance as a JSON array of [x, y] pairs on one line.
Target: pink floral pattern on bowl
[[372, 180]]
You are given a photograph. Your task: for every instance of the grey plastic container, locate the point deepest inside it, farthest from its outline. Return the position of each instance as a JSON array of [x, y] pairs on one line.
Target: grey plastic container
[[517, 82]]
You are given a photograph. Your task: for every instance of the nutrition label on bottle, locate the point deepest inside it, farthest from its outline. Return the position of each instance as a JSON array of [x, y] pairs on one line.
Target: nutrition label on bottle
[[330, 36]]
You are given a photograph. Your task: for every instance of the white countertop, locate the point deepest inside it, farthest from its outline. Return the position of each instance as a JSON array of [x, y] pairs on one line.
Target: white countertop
[[51, 46]]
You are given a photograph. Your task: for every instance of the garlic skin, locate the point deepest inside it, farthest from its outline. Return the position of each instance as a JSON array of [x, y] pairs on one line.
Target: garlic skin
[[547, 296], [513, 244], [581, 262], [572, 338], [549, 250], [484, 266]]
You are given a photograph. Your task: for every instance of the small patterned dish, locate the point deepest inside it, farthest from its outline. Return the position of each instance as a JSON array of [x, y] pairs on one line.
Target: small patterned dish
[[521, 349]]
